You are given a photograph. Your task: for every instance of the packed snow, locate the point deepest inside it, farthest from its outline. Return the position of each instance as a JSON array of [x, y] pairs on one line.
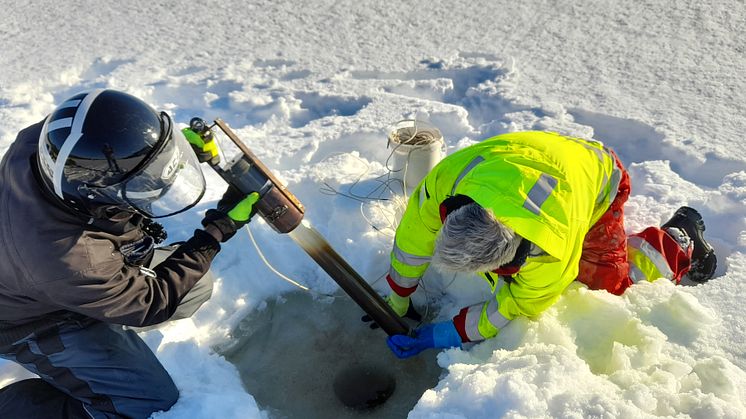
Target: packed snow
[[312, 88]]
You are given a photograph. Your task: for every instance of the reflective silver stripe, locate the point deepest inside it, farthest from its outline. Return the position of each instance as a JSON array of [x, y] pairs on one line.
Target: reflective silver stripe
[[635, 274], [651, 253], [599, 153], [69, 104], [613, 185], [59, 123], [471, 323], [616, 173], [466, 170], [584, 143], [539, 193], [90, 415], [75, 133], [616, 179], [403, 281], [616, 176], [602, 191], [410, 259], [494, 315], [423, 195], [474, 315]]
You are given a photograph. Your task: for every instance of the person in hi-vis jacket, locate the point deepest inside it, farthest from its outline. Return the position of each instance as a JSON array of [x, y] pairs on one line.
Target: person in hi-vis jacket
[[531, 212]]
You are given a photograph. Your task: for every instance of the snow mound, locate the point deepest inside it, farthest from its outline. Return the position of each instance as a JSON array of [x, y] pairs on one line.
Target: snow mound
[[646, 354]]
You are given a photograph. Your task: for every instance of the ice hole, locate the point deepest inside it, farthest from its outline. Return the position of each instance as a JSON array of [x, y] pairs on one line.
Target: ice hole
[[291, 353]]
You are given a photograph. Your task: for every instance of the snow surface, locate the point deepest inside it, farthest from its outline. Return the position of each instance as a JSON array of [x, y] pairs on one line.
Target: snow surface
[[312, 86]]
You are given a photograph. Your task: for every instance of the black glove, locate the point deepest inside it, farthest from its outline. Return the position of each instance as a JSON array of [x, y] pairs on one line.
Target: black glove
[[234, 211], [410, 314], [154, 230]]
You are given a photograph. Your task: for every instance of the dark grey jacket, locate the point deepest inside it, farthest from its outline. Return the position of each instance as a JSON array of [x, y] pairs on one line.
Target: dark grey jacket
[[54, 264]]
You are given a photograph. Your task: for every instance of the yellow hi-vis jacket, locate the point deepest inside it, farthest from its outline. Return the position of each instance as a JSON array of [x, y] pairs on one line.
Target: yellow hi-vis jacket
[[548, 188]]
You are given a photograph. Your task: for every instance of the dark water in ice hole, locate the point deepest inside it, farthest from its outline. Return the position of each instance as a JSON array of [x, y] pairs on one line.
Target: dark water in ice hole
[[289, 353]]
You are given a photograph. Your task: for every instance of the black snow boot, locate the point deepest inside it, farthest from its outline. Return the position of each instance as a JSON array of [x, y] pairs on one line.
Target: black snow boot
[[704, 261]]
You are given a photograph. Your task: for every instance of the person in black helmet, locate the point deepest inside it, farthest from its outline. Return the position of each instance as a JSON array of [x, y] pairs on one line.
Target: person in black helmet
[[78, 255]]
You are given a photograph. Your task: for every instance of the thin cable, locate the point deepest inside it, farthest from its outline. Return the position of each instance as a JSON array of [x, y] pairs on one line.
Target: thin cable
[[389, 188], [386, 190], [269, 265]]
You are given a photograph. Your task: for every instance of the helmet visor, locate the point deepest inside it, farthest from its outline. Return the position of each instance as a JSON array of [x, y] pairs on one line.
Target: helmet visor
[[170, 182]]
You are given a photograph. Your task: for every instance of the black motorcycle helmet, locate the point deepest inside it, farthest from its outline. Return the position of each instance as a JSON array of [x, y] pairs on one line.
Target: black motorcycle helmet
[[105, 151]]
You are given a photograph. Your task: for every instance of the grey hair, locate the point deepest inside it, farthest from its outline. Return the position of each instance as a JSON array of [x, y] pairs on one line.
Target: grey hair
[[473, 240]]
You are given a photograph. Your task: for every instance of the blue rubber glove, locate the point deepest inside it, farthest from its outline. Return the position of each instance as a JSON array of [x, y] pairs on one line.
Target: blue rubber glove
[[435, 335]]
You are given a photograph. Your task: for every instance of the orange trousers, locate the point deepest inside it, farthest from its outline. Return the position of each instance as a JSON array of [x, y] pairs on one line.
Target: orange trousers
[[605, 261]]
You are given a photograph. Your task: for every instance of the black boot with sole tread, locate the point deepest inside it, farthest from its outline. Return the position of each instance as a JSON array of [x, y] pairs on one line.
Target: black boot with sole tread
[[704, 261]]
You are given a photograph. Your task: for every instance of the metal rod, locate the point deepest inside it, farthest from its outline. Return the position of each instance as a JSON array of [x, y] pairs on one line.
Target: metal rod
[[350, 281]]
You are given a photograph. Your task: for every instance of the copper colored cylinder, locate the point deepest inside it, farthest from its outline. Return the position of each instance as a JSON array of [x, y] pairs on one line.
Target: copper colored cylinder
[[278, 211], [276, 205]]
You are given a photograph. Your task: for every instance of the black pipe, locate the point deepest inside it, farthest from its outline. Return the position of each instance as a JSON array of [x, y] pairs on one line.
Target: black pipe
[[350, 281]]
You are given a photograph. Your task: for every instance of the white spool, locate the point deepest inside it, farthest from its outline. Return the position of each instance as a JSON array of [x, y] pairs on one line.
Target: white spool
[[417, 147]]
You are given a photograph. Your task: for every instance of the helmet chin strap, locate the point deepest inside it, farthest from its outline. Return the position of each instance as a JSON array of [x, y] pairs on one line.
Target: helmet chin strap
[[114, 219], [105, 209], [115, 213]]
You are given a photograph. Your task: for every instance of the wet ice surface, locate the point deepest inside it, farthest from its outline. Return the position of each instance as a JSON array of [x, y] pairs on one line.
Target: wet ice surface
[[290, 353]]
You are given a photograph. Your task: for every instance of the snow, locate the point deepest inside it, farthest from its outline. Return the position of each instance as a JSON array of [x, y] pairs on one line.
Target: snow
[[312, 88]]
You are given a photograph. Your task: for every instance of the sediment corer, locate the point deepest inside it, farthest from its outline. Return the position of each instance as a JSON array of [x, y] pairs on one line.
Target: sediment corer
[[282, 210], [350, 281], [279, 208]]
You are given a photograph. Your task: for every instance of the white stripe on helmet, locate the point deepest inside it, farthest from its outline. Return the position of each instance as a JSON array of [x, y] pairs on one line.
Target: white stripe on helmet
[[76, 133], [69, 104], [59, 124]]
